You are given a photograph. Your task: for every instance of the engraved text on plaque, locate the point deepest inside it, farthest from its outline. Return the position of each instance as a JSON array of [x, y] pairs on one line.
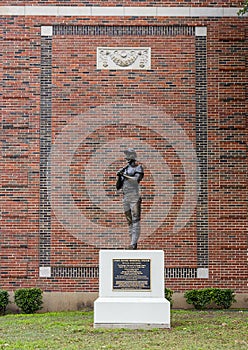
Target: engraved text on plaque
[[131, 274]]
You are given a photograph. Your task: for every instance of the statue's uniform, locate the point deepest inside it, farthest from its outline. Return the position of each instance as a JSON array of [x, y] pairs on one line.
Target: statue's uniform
[[132, 199]]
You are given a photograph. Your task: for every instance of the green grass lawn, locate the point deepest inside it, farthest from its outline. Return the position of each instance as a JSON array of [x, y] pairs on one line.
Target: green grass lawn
[[191, 330]]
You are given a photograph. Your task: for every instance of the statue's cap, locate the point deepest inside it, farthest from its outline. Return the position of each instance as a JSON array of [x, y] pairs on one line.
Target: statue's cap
[[130, 154]]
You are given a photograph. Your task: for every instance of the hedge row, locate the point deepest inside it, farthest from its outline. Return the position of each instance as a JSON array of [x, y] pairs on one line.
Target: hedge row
[[203, 298], [29, 300]]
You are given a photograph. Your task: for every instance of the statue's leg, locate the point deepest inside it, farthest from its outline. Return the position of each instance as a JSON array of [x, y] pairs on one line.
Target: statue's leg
[[128, 214], [136, 212], [135, 234]]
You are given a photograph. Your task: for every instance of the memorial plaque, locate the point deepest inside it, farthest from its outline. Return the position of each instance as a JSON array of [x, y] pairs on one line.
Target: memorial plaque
[[132, 274]]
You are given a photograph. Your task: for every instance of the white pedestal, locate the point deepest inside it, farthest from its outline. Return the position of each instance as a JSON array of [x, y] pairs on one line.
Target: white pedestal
[[131, 293]]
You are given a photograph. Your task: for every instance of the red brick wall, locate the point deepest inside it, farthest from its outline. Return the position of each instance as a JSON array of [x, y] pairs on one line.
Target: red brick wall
[[80, 91]]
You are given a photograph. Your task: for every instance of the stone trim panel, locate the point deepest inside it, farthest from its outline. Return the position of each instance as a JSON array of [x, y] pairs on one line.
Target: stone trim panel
[[119, 11]]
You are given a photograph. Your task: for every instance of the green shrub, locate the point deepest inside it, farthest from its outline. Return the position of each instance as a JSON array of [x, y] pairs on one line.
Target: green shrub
[[4, 300], [29, 300], [202, 298], [223, 297], [168, 295]]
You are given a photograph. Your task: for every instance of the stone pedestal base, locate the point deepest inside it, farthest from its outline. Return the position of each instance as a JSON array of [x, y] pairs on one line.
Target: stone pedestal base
[[133, 313], [131, 293]]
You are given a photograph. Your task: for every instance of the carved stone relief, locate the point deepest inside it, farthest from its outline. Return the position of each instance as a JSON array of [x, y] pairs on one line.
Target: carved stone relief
[[124, 58]]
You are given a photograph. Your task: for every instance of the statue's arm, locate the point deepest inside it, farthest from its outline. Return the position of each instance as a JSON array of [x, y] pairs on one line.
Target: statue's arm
[[119, 182], [138, 176]]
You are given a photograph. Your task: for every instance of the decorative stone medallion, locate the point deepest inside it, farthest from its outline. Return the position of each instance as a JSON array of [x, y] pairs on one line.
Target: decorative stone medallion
[[124, 58]]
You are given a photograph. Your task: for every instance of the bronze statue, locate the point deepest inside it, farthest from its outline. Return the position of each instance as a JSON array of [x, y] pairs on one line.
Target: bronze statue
[[128, 179]]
